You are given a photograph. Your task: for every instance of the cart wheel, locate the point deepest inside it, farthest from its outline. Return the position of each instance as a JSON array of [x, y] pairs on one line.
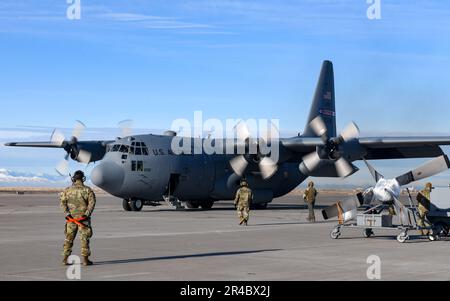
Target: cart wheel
[[441, 229], [433, 237], [335, 233], [402, 237], [446, 230], [367, 232]]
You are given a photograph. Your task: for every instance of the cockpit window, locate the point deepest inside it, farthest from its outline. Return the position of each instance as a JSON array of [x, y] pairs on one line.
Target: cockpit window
[[140, 149], [136, 148], [124, 148]]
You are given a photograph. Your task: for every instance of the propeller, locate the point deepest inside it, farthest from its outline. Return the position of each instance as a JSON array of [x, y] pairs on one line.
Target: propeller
[[71, 147], [430, 168], [267, 166], [208, 134], [385, 189], [126, 127], [331, 149]]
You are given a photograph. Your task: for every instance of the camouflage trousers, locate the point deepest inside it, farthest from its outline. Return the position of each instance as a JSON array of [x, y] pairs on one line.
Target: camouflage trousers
[[243, 213], [311, 215], [70, 231], [422, 222]]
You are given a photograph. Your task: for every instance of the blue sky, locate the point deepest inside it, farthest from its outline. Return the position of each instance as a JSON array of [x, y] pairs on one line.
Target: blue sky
[[156, 61]]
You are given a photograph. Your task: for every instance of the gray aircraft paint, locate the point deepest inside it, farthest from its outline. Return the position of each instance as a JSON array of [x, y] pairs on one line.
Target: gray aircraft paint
[[202, 177]]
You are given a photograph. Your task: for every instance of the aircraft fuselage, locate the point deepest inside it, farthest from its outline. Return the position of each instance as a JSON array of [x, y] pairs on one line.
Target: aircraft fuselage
[[145, 167]]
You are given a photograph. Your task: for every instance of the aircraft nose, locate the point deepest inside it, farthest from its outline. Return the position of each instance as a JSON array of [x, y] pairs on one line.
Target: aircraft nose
[[109, 176]]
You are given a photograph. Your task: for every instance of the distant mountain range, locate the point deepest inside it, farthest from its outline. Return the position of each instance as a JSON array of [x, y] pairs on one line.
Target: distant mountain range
[[13, 178]]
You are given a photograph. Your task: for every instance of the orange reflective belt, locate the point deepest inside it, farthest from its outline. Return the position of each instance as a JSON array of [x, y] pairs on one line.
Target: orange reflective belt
[[76, 221]]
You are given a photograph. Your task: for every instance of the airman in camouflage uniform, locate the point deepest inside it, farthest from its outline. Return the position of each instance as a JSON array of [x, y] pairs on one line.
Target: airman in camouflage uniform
[[242, 202], [78, 202], [309, 196], [423, 208]]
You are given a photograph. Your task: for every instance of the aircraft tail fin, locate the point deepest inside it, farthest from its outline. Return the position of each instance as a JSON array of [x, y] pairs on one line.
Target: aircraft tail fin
[[323, 104]]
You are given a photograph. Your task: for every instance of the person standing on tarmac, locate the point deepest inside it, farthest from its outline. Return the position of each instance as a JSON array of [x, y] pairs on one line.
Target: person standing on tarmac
[[309, 196], [242, 202], [78, 203], [424, 207]]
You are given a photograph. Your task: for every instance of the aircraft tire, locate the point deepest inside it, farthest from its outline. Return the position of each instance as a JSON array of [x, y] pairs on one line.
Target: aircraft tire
[[192, 205], [207, 205], [136, 205], [261, 206], [126, 205]]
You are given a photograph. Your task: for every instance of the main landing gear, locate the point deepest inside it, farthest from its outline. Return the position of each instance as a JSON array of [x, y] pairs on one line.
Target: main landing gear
[[132, 205]]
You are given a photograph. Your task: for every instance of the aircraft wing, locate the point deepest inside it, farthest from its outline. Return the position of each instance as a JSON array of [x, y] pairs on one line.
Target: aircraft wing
[[403, 147], [380, 147], [302, 144], [96, 149], [35, 144]]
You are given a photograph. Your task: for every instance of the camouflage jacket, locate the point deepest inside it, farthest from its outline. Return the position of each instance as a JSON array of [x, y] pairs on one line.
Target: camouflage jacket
[[310, 194], [243, 197], [424, 206], [77, 200]]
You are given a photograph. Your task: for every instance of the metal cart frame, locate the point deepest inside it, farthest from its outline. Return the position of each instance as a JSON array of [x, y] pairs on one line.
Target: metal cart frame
[[408, 217]]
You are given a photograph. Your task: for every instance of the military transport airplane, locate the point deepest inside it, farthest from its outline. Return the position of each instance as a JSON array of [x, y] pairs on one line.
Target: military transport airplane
[[143, 169]]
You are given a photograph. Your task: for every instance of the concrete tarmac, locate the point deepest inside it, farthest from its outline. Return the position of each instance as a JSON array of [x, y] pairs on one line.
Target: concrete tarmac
[[161, 244]]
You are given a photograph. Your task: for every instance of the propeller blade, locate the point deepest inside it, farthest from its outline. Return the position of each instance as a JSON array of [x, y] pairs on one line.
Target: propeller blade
[[126, 127], [57, 137], [350, 132], [268, 167], [242, 130], [63, 168], [270, 132], [310, 162], [426, 170], [84, 156], [375, 174], [319, 128], [78, 129], [343, 167], [343, 209], [239, 164]]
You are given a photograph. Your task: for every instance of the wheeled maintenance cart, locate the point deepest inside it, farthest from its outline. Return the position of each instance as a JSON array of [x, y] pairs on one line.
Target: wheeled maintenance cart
[[373, 218]]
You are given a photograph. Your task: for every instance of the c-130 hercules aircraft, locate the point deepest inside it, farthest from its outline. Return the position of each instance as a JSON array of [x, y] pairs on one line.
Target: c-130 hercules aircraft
[[143, 169]]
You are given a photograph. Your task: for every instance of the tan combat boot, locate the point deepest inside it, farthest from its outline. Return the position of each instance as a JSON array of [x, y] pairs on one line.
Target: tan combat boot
[[64, 261], [86, 261]]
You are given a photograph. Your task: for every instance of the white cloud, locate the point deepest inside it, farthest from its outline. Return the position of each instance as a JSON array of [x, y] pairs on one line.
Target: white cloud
[[152, 22], [130, 17]]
